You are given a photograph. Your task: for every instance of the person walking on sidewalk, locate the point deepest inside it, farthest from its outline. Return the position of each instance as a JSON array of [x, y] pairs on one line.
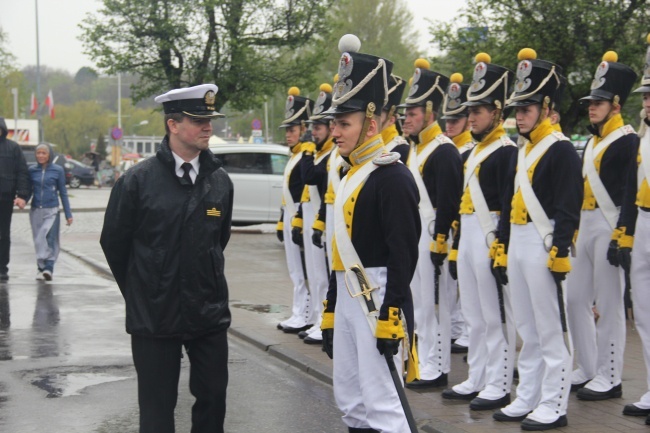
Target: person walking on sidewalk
[[166, 226], [14, 191], [48, 184]]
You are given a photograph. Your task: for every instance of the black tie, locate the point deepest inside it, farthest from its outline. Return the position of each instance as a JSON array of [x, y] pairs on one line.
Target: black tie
[[186, 166]]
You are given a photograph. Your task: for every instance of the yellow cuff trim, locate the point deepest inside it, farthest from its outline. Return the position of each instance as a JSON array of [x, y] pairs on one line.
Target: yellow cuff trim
[[626, 241], [500, 257], [391, 328], [328, 321], [454, 227], [493, 249], [453, 256], [440, 244], [296, 222], [308, 147], [617, 233], [280, 226], [558, 264], [319, 225]]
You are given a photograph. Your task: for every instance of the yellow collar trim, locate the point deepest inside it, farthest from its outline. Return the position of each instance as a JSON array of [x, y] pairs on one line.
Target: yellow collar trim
[[493, 136], [367, 151], [611, 125], [428, 134], [556, 127], [389, 133], [327, 147], [296, 149], [462, 139], [543, 129]]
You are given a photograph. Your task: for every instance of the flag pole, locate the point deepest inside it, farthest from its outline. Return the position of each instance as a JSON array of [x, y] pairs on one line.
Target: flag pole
[[38, 78]]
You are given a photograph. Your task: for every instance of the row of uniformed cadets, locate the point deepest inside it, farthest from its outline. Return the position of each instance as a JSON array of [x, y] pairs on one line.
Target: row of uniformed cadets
[[529, 246]]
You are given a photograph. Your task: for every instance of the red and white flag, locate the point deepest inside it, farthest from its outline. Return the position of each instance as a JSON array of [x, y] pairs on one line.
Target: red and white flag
[[34, 105], [49, 103]]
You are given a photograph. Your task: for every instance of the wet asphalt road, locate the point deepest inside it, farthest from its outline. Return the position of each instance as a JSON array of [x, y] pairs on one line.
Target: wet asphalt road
[[65, 362]]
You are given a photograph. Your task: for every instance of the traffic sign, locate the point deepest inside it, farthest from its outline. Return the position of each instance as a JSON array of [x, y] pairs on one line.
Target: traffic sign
[[116, 133], [256, 124], [256, 133]]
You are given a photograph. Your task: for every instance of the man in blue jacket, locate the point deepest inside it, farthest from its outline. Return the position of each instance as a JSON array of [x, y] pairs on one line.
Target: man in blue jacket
[[14, 191]]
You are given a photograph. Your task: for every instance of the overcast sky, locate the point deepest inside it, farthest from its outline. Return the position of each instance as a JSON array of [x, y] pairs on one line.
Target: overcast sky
[[59, 19]]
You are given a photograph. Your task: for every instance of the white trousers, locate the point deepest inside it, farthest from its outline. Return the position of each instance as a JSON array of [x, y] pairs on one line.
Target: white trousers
[[363, 388], [433, 337], [316, 269], [490, 357], [329, 231], [544, 361], [640, 278], [599, 346], [301, 307]]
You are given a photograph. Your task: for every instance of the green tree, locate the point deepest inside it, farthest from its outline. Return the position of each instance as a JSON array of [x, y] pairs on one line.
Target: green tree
[[574, 34], [248, 47], [100, 148], [7, 59]]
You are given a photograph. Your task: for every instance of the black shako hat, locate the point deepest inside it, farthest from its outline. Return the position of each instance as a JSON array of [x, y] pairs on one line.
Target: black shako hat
[[323, 103], [645, 80], [197, 101], [612, 81], [297, 109], [427, 87], [396, 86], [537, 81], [363, 80], [490, 83], [456, 95]]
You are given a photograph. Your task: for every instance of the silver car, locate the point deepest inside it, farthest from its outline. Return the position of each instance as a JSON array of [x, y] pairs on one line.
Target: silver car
[[256, 171]]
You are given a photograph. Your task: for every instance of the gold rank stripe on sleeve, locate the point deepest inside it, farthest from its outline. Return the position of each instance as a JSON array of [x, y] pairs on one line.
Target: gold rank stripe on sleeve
[[213, 212], [643, 160]]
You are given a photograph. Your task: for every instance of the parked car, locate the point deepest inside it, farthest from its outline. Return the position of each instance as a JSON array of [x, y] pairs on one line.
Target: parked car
[[257, 172], [79, 174]]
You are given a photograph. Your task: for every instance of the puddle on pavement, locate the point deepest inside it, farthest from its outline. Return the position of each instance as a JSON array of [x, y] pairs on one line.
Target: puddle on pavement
[[69, 383], [258, 308]]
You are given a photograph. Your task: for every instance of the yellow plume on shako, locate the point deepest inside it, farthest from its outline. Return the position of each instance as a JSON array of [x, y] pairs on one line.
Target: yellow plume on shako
[[483, 57], [294, 91], [456, 77], [610, 56], [326, 87], [422, 64], [527, 54]]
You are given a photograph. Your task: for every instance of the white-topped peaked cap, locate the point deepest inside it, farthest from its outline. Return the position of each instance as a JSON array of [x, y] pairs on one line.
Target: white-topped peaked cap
[[197, 101]]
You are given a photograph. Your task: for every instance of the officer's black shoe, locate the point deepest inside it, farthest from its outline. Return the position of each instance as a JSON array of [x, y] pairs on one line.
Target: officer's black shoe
[[484, 404], [450, 394], [302, 335], [500, 416], [590, 395], [309, 340], [577, 386], [280, 327], [4, 277], [361, 430], [530, 425], [296, 330], [457, 348], [647, 420], [634, 410], [433, 383]]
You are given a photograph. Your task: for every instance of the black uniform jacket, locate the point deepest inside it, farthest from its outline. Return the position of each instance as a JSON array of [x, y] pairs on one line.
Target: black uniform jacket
[[164, 241], [385, 233], [629, 209], [557, 183]]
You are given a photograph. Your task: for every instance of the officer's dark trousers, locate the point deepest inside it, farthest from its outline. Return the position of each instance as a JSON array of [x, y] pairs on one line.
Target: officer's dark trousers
[[158, 363], [6, 210]]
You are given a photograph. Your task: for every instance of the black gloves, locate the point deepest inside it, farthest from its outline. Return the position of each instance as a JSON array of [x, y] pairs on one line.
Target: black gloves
[[296, 236], [453, 270], [316, 238], [500, 274], [280, 235], [388, 345], [625, 258], [438, 259], [558, 276], [328, 342], [612, 253]]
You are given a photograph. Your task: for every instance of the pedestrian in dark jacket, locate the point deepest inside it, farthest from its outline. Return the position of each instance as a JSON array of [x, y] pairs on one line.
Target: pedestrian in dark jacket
[[166, 226], [48, 182], [14, 191]]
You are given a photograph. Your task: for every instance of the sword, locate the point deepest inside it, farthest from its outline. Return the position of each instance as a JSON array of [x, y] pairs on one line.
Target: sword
[[502, 311], [436, 292], [366, 290], [304, 268], [560, 301], [627, 298], [400, 392]]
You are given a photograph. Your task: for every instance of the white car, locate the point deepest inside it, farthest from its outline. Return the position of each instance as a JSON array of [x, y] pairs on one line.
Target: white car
[[257, 172]]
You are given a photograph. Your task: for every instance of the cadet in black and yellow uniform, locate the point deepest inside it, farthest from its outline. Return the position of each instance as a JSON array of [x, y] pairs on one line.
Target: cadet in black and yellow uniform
[[491, 344], [454, 113], [543, 205], [635, 214], [313, 168], [376, 235], [608, 154], [393, 140], [298, 110], [437, 168]]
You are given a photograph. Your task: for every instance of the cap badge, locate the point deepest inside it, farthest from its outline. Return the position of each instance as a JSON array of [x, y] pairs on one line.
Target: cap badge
[[209, 99], [523, 71], [477, 80], [646, 70], [345, 66], [288, 108], [599, 78], [414, 84], [320, 102], [454, 94]]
